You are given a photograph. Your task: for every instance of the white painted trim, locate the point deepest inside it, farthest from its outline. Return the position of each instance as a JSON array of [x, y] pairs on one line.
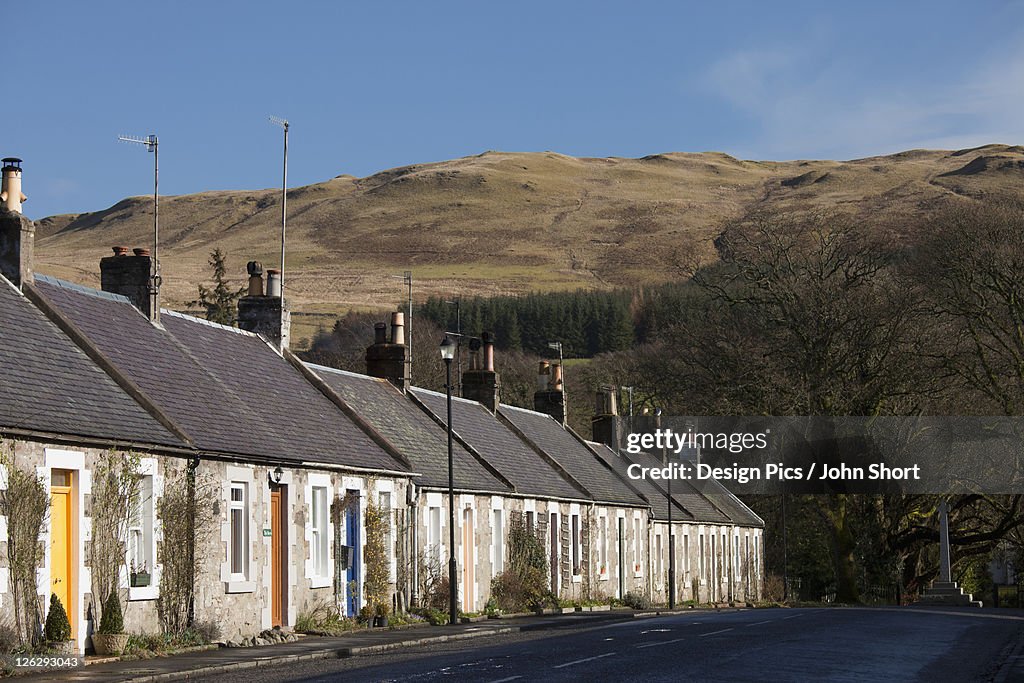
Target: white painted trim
[[81, 481], [318, 480], [245, 475]]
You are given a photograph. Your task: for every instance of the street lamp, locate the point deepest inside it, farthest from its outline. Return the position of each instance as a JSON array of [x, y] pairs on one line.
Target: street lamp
[[671, 536], [447, 353]]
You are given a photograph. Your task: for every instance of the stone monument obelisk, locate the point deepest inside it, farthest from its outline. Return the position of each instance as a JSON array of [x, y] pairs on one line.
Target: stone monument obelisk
[[945, 591]]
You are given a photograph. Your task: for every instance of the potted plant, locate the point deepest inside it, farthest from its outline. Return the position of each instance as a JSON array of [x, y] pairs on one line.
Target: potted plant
[[140, 576], [111, 639], [381, 618], [57, 629]]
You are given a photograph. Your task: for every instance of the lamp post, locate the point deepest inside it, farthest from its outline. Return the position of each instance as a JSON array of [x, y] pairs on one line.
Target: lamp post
[[447, 353], [671, 536]]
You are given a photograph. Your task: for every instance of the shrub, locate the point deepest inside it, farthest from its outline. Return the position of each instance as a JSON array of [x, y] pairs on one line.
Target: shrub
[[375, 558], [636, 600], [438, 596], [9, 638], [112, 620], [207, 631], [323, 618], [515, 591], [773, 588], [58, 627]]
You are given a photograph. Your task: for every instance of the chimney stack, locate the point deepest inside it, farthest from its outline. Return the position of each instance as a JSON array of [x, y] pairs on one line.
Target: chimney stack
[[265, 314], [549, 397], [480, 382], [130, 276], [385, 358], [605, 424], [17, 233]]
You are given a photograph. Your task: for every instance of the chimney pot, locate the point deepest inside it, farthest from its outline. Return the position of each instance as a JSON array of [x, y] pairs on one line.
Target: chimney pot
[[556, 376], [120, 251], [140, 251], [10, 187], [488, 339], [274, 282], [398, 328], [543, 375], [380, 333]]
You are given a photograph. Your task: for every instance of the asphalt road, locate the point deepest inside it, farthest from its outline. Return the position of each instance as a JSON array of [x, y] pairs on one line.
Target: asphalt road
[[752, 645]]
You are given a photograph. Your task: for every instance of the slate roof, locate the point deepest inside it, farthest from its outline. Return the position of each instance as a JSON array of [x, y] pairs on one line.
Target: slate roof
[[504, 450], [48, 384], [225, 388], [650, 490], [411, 431], [578, 460], [711, 502]]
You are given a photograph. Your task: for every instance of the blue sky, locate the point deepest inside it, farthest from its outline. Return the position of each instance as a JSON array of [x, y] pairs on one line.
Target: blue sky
[[372, 85]]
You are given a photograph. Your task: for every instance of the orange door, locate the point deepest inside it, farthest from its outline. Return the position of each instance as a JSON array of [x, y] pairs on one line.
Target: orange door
[[61, 546], [276, 582]]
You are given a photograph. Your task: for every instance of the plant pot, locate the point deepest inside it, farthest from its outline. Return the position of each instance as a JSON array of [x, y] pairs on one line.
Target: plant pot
[[109, 643], [66, 648], [380, 622], [140, 579]]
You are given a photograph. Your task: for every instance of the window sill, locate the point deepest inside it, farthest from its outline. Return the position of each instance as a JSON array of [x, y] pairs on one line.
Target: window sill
[[140, 593], [320, 582], [239, 586], [577, 578]]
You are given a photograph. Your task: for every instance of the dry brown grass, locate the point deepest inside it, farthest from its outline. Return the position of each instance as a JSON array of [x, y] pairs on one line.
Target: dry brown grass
[[510, 222]]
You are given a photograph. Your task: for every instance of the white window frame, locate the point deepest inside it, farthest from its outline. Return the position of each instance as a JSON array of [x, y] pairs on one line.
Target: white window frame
[[604, 572], [242, 506], [234, 582], [497, 540], [576, 541], [147, 529], [434, 542]]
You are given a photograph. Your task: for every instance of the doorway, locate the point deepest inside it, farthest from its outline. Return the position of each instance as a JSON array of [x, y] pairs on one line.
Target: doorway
[[468, 562], [352, 578], [62, 544], [278, 555]]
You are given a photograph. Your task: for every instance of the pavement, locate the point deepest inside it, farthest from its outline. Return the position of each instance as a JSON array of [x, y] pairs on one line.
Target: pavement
[[213, 662]]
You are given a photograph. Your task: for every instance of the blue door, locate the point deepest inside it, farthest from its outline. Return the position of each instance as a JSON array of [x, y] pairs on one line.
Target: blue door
[[352, 581]]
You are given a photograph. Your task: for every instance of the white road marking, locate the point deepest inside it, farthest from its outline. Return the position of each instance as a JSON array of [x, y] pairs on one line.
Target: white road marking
[[504, 680], [581, 661], [660, 642], [714, 633], [760, 622]]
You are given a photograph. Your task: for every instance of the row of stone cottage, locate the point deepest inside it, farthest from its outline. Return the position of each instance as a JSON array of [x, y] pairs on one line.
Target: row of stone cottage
[[84, 371]]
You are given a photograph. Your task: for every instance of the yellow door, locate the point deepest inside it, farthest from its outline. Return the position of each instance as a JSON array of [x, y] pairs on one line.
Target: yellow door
[[60, 550]]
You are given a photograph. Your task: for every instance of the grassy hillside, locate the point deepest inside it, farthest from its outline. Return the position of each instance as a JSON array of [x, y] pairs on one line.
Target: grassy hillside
[[507, 222]]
